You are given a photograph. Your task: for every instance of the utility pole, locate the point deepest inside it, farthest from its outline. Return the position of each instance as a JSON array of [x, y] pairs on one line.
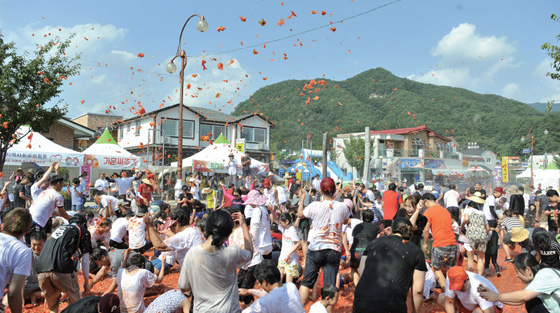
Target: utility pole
[[324, 165], [366, 159]]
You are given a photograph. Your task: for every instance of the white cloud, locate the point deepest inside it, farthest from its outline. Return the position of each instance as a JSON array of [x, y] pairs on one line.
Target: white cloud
[[464, 44], [124, 54], [549, 89], [467, 59], [511, 90]]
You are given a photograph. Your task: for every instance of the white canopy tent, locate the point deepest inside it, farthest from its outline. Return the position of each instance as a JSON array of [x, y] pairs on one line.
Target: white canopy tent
[[34, 147], [547, 177], [106, 153], [214, 159]]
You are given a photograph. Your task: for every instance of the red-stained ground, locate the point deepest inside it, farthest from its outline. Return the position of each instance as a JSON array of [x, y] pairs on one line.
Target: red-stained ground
[[506, 283]]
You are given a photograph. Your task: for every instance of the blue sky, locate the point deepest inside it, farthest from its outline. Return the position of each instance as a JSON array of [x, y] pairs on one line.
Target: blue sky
[[485, 46]]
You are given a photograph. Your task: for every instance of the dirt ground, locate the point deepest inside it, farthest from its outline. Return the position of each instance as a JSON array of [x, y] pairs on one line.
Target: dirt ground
[[506, 283]]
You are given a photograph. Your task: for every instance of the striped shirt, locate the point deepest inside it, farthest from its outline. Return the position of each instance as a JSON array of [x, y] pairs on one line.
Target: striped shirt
[[508, 223]]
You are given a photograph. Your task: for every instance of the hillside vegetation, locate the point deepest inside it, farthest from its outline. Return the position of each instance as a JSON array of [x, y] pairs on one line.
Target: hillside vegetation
[[381, 100]]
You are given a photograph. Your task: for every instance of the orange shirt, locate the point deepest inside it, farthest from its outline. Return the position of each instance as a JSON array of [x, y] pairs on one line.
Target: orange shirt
[[391, 202], [440, 225]]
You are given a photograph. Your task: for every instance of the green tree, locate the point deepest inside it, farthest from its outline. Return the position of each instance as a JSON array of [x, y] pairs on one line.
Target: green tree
[[27, 84], [355, 150]]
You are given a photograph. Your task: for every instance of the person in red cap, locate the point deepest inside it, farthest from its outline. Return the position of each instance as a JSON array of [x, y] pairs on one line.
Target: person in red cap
[[462, 293], [491, 204]]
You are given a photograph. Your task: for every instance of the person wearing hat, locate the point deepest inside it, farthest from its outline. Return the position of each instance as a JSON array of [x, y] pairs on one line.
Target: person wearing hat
[[232, 170], [462, 293], [210, 197], [513, 231], [145, 191], [492, 203], [108, 303], [475, 228]]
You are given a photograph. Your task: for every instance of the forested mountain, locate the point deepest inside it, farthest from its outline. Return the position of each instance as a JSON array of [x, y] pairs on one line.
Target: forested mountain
[[381, 100]]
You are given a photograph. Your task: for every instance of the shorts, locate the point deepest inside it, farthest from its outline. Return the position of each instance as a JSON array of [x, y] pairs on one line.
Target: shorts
[[117, 245], [328, 259], [145, 248], [507, 239], [53, 284], [444, 256], [356, 257], [30, 288], [199, 214], [157, 265], [36, 227], [289, 269], [303, 233], [479, 245]]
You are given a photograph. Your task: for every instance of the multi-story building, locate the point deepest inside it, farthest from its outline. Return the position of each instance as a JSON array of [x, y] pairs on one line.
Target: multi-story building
[[156, 133], [68, 134], [417, 154], [97, 122]]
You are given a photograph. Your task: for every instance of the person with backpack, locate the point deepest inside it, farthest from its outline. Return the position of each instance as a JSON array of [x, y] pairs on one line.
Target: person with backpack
[[58, 262]]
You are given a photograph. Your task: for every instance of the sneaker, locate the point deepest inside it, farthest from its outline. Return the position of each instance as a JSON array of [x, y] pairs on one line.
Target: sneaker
[[509, 260], [498, 274]]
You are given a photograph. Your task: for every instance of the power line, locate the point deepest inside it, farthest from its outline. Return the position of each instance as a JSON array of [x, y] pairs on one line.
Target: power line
[[302, 32]]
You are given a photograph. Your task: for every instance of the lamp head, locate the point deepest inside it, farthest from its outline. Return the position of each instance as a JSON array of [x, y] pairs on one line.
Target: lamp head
[[171, 68], [523, 139], [202, 25], [546, 131]]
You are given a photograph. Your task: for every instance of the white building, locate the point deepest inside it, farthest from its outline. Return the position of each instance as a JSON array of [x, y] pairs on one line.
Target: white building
[[148, 135]]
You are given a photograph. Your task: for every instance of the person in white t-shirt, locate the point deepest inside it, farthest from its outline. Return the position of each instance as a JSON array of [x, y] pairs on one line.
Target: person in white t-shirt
[[43, 208], [180, 237], [178, 187], [462, 290], [15, 257], [102, 184], [109, 204], [329, 297], [133, 281], [327, 217], [316, 183], [124, 183], [138, 238], [288, 262], [101, 232], [260, 222], [119, 230], [232, 170], [280, 297], [43, 183], [195, 191], [451, 200]]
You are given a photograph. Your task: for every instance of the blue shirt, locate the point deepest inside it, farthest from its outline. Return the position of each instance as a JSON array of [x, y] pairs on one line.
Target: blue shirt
[[77, 200]]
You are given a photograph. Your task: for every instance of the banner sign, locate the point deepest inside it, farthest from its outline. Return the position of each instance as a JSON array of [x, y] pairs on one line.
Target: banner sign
[[505, 169], [207, 166], [412, 163], [434, 163]]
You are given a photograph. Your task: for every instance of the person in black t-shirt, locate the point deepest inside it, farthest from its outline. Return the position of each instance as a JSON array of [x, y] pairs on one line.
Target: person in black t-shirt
[[411, 211], [186, 199], [551, 212], [19, 193], [391, 267], [57, 264], [363, 234], [109, 303]]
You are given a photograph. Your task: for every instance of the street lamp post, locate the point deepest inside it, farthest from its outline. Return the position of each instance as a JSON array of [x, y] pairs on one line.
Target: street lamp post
[[529, 135], [202, 26]]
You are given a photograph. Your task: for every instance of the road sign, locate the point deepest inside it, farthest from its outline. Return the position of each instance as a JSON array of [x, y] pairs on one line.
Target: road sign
[[526, 150], [525, 164], [494, 173]]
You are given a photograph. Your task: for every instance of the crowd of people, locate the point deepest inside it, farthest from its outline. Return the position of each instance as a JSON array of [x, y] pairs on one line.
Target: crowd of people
[[258, 245]]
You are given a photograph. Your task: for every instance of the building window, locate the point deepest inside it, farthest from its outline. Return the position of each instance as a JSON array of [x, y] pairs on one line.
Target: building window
[[171, 128], [253, 134], [488, 160], [137, 128], [128, 127], [121, 129], [212, 131]]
